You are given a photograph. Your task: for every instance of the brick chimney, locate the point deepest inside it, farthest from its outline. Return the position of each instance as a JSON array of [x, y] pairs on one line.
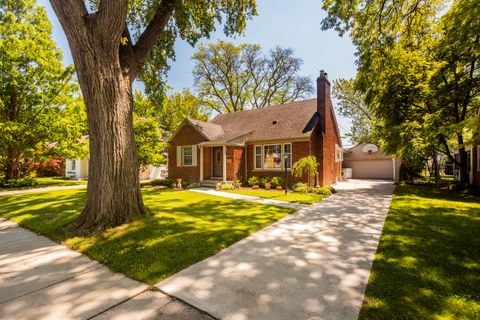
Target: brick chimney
[[323, 98]]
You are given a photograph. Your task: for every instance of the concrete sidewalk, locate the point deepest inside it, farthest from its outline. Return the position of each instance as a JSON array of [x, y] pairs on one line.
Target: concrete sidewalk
[[237, 196], [46, 189], [40, 279], [313, 264]]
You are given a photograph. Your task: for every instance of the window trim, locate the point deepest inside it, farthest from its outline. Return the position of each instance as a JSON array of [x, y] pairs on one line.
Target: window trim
[[262, 154], [183, 156], [73, 165]]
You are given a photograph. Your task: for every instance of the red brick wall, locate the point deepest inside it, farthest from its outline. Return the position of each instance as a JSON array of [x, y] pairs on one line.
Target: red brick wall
[[235, 163], [323, 144], [187, 135], [300, 149], [207, 162]]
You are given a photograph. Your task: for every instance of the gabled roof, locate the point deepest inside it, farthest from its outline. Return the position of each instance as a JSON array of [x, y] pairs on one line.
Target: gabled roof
[[208, 129], [286, 121]]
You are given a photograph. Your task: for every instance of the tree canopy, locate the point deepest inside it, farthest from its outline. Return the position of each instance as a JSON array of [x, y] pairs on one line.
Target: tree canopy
[[231, 77], [39, 113], [418, 69]]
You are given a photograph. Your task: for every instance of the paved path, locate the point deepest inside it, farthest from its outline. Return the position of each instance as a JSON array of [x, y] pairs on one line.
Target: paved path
[[313, 264], [40, 279], [46, 189], [249, 198]]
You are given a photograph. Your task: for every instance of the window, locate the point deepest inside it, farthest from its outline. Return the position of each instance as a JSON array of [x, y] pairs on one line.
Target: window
[[273, 156], [74, 165], [258, 157], [187, 156], [339, 153]]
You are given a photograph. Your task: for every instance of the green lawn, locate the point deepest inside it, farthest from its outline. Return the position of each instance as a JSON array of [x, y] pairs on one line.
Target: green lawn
[[185, 227], [49, 182], [302, 198], [428, 263]]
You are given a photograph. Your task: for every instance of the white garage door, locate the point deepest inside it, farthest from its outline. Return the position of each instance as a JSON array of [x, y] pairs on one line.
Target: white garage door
[[370, 169]]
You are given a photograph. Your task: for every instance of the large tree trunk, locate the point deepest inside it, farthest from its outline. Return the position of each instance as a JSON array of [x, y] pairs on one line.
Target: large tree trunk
[[12, 167], [113, 192]]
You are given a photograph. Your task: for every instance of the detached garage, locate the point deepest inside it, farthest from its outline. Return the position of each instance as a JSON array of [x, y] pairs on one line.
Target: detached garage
[[367, 161]]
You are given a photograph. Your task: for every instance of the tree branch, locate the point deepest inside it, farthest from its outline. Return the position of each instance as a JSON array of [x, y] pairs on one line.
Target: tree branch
[[147, 40]]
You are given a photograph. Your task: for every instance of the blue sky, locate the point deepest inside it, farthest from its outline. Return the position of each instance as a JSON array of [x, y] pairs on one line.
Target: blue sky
[[285, 23]]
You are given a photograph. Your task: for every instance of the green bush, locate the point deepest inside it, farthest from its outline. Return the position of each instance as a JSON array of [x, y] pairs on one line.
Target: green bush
[[277, 181], [17, 183], [163, 182], [262, 181], [227, 186], [192, 185], [326, 191], [332, 189], [300, 187], [253, 181]]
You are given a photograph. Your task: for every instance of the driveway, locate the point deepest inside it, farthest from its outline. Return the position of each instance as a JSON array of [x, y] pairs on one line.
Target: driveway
[[313, 264]]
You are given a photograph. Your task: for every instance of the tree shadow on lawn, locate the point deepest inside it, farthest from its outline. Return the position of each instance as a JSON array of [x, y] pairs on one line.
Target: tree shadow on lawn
[[428, 262], [184, 228]]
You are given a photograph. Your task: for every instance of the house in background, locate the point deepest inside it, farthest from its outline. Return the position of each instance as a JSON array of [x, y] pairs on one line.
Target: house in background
[[260, 142], [473, 160], [367, 161], [78, 169]]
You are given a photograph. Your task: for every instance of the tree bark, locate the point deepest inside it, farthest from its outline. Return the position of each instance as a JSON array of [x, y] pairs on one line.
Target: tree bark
[[12, 170], [113, 191]]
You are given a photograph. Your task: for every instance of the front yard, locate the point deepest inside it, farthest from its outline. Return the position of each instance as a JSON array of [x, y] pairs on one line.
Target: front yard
[[185, 228], [43, 182], [295, 197], [428, 263]]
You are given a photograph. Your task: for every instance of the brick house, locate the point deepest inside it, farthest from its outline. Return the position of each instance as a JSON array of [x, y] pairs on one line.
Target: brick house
[[260, 142]]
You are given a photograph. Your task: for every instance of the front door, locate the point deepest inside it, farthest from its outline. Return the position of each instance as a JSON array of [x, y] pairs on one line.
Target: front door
[[218, 162]]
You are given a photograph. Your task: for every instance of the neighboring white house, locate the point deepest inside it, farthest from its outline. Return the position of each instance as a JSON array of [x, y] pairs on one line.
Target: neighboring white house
[[367, 161], [78, 169]]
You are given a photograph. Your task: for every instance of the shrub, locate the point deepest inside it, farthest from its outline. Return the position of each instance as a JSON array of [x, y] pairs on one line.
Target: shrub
[[227, 186], [253, 181], [49, 168], [262, 181], [277, 181], [326, 191], [306, 165], [16, 183], [192, 185], [300, 187], [163, 182], [332, 189]]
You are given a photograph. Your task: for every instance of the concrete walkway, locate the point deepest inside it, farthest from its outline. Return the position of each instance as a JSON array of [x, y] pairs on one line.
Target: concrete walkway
[[40, 279], [46, 189], [313, 264], [249, 198]]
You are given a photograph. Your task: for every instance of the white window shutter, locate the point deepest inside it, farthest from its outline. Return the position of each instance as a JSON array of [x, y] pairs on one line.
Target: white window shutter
[[179, 156], [194, 155]]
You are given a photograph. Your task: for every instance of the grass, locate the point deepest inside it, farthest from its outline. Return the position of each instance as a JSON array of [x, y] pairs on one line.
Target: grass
[[427, 265], [43, 182], [185, 227], [302, 198]]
